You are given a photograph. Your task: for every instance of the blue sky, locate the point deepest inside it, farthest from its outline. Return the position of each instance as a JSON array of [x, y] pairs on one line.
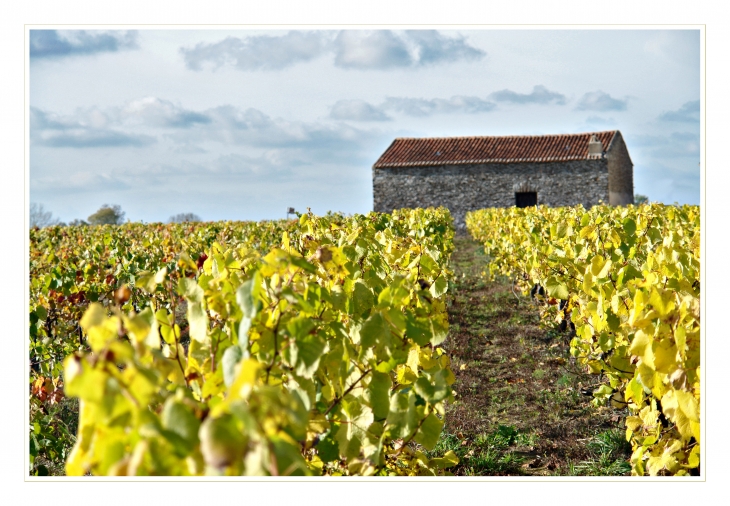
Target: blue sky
[[241, 124]]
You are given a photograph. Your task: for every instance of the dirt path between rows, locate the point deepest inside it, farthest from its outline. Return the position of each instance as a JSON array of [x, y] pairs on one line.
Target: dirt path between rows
[[522, 404]]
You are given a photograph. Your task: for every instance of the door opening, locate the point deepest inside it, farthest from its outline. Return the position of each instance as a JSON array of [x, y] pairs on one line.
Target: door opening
[[525, 199]]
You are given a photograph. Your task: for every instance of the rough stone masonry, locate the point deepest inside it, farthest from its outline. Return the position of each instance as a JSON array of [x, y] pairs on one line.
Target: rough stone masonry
[[469, 173]]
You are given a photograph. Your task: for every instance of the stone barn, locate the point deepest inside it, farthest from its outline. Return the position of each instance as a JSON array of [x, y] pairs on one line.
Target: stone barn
[[468, 173]]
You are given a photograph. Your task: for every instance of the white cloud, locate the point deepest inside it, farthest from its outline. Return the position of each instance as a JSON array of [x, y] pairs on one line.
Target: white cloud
[[352, 49], [688, 113], [540, 95], [600, 101], [162, 113], [371, 49], [85, 129], [261, 52], [427, 107], [433, 47], [50, 44], [357, 110]]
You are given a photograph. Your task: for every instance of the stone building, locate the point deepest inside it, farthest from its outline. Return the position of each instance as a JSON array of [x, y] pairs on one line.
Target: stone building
[[468, 173]]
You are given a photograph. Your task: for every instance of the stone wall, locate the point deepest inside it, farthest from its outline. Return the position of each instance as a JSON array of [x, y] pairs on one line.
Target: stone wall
[[463, 188], [620, 173]]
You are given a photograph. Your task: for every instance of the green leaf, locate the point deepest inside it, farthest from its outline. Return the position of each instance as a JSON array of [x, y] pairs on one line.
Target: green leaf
[[612, 320], [402, 416], [148, 281], [83, 381], [289, 460], [243, 341], [362, 299], [628, 273], [245, 299], [198, 320], [352, 435], [439, 287], [629, 226], [221, 442], [41, 312], [428, 265], [428, 434], [556, 289], [449, 459], [327, 448], [179, 419], [300, 326], [231, 357], [309, 350], [435, 392], [378, 394], [418, 329], [189, 289], [143, 328], [374, 330]]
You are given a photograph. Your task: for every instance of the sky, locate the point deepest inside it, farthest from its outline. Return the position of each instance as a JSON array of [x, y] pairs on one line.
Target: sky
[[243, 124]]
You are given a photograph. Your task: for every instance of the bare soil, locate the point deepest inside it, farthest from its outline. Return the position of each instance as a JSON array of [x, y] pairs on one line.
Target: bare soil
[[516, 382]]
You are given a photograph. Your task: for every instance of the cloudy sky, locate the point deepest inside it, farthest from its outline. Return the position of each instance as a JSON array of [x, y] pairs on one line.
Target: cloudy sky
[[241, 124]]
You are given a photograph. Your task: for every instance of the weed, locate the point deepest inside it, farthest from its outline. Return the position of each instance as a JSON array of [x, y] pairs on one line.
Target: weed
[[610, 453], [564, 380]]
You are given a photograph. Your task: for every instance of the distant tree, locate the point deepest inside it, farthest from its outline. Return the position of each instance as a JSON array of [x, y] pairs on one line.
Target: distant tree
[[183, 217], [107, 215], [40, 218], [640, 199], [78, 223]]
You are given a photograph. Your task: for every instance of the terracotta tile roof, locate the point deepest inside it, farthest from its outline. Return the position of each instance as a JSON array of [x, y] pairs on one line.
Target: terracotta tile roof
[[405, 152]]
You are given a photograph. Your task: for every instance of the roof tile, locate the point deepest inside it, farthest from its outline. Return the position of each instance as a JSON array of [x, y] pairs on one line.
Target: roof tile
[[406, 152]]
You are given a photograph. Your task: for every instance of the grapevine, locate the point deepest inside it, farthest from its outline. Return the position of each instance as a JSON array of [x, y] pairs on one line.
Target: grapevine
[[628, 279]]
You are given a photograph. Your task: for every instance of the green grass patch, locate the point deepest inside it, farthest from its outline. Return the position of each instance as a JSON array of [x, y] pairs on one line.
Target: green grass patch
[[610, 453], [490, 453]]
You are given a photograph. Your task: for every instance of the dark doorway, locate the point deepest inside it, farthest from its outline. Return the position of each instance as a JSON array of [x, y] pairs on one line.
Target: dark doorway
[[526, 199]]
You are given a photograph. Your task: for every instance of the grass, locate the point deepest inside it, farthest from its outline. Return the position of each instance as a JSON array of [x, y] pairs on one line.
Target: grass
[[504, 451], [519, 375], [609, 456]]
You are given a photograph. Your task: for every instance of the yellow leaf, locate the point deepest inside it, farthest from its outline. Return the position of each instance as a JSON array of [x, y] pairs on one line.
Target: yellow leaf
[[638, 307], [587, 280], [641, 342], [664, 461], [695, 426], [413, 358], [597, 264], [662, 302], [681, 408], [247, 374], [680, 337]]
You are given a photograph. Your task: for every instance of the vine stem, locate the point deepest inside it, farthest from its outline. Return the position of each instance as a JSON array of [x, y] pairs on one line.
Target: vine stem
[[349, 389]]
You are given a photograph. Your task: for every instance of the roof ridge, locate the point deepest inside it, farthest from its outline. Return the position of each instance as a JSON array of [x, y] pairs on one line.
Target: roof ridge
[[504, 136]]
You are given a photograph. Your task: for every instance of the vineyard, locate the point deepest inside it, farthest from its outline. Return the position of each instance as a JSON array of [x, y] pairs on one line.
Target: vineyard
[[627, 280], [321, 346]]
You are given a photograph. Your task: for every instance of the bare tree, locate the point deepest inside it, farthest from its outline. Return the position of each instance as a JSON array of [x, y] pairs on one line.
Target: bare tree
[[40, 218], [107, 215], [183, 217]]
